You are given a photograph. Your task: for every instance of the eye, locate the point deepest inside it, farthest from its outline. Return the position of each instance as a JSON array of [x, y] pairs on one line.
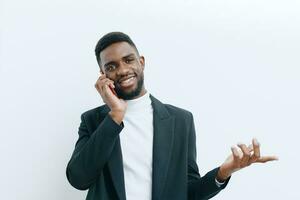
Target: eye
[[129, 60], [110, 68]]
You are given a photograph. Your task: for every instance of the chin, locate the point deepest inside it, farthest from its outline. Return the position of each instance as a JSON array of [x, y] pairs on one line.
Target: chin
[[131, 93]]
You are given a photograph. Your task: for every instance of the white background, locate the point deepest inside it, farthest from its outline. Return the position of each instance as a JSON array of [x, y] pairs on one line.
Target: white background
[[234, 64]]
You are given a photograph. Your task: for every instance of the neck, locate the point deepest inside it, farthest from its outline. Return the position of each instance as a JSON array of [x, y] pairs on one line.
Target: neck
[[143, 91]]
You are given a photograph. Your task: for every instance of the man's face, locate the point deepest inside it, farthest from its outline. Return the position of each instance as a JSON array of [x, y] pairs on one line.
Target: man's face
[[121, 63]]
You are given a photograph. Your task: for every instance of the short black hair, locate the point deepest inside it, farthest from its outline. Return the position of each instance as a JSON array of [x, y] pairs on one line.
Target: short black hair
[[110, 38]]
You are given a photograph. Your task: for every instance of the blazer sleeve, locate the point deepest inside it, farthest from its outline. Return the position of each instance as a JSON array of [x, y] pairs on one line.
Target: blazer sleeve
[[205, 187], [92, 151]]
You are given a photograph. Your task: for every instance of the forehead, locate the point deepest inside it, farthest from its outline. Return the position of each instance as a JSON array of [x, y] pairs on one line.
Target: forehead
[[116, 51]]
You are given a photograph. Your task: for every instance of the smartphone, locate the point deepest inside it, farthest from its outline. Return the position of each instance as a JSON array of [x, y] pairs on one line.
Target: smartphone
[[113, 91]]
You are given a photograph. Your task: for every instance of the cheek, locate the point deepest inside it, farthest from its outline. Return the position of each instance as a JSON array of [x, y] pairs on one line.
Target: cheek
[[111, 76], [139, 68]]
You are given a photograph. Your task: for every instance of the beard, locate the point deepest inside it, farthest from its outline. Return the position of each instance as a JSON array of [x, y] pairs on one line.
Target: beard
[[130, 95]]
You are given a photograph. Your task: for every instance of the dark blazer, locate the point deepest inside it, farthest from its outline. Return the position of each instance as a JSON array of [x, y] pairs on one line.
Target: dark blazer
[[96, 163]]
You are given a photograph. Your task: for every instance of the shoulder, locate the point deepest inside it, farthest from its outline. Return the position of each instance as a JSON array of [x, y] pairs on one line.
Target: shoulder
[[184, 119], [181, 114], [94, 112], [175, 110]]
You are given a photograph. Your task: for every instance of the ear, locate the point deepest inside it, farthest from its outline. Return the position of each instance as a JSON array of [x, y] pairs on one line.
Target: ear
[[100, 67], [101, 70], [142, 61]]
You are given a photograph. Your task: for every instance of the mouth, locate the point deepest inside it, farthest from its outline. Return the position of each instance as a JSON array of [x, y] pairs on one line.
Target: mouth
[[127, 82]]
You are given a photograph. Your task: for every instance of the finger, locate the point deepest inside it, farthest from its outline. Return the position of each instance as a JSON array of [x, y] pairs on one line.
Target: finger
[[264, 159], [256, 149], [102, 76], [110, 86], [250, 147], [104, 83], [97, 86], [106, 90], [98, 82], [246, 155], [114, 92], [236, 154], [110, 83], [101, 82]]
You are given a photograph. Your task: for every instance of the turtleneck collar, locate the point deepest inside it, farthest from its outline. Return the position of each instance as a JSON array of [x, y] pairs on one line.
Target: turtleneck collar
[[139, 103]]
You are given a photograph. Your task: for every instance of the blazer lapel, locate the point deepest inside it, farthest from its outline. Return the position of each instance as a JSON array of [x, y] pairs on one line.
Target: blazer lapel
[[115, 164], [163, 124]]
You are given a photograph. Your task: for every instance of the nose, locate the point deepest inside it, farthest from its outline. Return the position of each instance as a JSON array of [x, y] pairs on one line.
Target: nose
[[123, 69]]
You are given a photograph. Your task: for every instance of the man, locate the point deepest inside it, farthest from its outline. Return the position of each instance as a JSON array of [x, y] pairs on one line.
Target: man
[[135, 147]]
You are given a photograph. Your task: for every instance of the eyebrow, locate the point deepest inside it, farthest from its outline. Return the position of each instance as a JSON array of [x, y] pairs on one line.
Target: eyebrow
[[113, 62]]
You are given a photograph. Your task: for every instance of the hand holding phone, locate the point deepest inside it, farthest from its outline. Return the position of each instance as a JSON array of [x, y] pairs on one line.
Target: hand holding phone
[[105, 87]]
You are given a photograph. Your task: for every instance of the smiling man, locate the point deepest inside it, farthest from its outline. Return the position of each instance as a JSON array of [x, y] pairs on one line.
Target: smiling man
[[135, 147]]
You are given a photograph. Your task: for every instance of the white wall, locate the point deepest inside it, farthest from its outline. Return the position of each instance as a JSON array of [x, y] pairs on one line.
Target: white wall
[[234, 64]]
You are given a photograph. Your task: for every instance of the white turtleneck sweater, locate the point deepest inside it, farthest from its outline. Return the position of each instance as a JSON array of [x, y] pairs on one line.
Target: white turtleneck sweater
[[137, 143]]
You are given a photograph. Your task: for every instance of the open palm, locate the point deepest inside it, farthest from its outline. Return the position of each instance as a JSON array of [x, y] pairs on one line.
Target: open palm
[[242, 157]]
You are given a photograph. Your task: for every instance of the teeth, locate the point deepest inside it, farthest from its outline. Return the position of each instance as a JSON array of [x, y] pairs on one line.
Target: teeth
[[127, 80]]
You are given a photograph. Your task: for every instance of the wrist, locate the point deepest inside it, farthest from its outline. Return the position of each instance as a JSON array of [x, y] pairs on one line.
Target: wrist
[[223, 174], [117, 116]]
